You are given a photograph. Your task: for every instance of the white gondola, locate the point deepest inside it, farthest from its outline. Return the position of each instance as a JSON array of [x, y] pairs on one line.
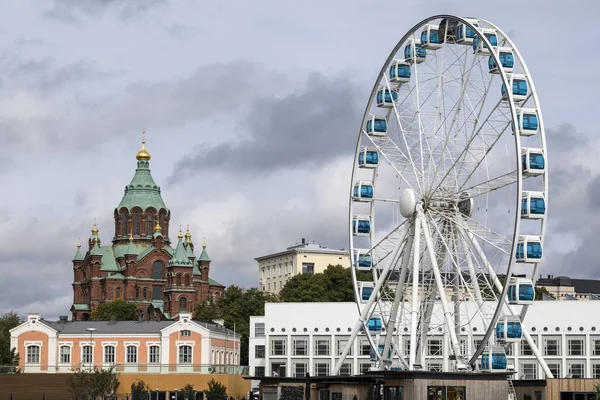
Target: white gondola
[[418, 55], [532, 161], [464, 34], [519, 85], [386, 97], [361, 225], [509, 329], [529, 249], [376, 126], [430, 37], [365, 289], [533, 205], [521, 291], [362, 260], [479, 47], [507, 61], [363, 191], [527, 121], [368, 158], [494, 359], [399, 71]]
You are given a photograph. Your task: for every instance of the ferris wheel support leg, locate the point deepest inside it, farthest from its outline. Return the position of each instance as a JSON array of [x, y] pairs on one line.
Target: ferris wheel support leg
[[389, 329], [368, 308], [440, 286], [467, 251], [498, 285], [414, 313]]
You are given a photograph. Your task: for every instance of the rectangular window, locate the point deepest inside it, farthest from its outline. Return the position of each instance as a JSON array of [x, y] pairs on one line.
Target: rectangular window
[[365, 348], [346, 369], [434, 347], [364, 367], [595, 371], [157, 292], [308, 268], [554, 367], [552, 347], [86, 355], [33, 354], [596, 347], [154, 355], [259, 351], [278, 347], [406, 346], [259, 329], [259, 371], [65, 354], [185, 354], [576, 370], [446, 392], [528, 371], [392, 392], [300, 347], [510, 349], [434, 366], [341, 345], [575, 347], [321, 369], [109, 354], [322, 347], [300, 370], [278, 369], [526, 349], [186, 333], [131, 354]]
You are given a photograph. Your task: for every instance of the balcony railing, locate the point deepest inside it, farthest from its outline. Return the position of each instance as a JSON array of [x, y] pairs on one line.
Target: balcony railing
[[133, 368]]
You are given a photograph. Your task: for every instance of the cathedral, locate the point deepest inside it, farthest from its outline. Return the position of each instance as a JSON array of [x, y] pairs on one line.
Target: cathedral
[[142, 265]]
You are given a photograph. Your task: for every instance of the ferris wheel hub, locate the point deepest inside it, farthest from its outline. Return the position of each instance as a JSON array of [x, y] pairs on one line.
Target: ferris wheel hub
[[408, 202]]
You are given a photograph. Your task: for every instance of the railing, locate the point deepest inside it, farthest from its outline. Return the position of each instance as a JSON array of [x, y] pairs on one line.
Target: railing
[[133, 368]]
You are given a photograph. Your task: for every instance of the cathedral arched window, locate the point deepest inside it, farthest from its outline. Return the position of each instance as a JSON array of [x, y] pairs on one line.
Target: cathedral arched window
[[145, 293], [149, 224], [118, 292], [157, 270], [178, 280], [137, 293], [183, 304], [125, 224], [187, 280], [136, 223]]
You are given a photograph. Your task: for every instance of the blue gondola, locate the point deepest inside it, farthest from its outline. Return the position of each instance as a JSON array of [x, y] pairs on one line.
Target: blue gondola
[[368, 158], [362, 260], [497, 355], [375, 325], [509, 329], [430, 37], [365, 290], [380, 349], [529, 249], [363, 191], [464, 34], [507, 60], [419, 53], [521, 291], [527, 122], [386, 97], [399, 71], [532, 161], [361, 225], [533, 205], [376, 126], [520, 88], [479, 47]]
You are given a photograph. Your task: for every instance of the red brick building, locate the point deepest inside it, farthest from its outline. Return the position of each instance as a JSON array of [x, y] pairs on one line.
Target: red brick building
[[142, 265]]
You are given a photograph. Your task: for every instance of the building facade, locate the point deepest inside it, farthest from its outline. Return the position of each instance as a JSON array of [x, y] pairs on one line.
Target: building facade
[[292, 339], [183, 346], [566, 288], [274, 270], [142, 264]]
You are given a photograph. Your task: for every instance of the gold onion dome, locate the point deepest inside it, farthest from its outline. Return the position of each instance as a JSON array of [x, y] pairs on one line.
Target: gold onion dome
[[188, 235], [143, 154], [157, 227], [94, 228], [180, 235]]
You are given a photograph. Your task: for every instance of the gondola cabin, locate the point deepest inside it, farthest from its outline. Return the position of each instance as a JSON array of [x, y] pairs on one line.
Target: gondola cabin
[[494, 359], [386, 97], [520, 88], [399, 71], [527, 121], [509, 329], [375, 325], [368, 158], [380, 349], [362, 260], [365, 289], [521, 291], [464, 33], [533, 205], [529, 249], [479, 46], [532, 161], [361, 225], [430, 37], [376, 126], [414, 52], [363, 191], [507, 61]]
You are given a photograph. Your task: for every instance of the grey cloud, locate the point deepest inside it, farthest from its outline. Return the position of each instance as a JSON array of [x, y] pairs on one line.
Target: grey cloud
[[66, 10]]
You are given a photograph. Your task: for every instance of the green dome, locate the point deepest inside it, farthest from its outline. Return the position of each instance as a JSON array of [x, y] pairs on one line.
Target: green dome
[[142, 191]]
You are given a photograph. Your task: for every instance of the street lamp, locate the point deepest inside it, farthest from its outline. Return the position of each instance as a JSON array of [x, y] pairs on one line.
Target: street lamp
[[91, 331]]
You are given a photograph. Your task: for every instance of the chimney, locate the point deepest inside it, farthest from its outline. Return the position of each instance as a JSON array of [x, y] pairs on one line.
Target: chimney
[[303, 241], [63, 318]]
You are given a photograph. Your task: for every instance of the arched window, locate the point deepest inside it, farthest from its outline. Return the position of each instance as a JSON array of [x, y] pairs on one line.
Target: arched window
[[109, 354], [178, 280], [125, 224], [33, 354], [154, 355], [185, 354], [149, 224], [137, 293], [157, 270], [136, 223], [145, 293], [118, 292], [131, 354], [212, 356], [183, 304], [187, 280]]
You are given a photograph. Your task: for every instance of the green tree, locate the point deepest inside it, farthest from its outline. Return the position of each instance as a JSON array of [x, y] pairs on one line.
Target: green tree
[[92, 384], [9, 357], [216, 391], [186, 392], [540, 291], [139, 390], [118, 309]]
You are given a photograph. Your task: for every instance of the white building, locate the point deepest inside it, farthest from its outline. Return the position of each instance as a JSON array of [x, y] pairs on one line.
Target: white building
[[274, 270], [295, 338]]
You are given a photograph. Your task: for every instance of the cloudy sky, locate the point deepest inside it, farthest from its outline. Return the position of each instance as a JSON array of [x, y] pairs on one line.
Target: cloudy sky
[[252, 110]]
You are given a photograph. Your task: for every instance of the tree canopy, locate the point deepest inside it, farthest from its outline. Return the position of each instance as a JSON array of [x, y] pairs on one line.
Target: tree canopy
[[540, 291], [118, 309], [8, 355]]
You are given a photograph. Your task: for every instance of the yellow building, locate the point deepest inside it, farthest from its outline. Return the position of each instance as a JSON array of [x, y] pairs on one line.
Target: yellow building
[[274, 270]]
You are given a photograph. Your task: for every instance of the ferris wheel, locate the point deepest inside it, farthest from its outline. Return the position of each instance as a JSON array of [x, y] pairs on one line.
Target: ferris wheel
[[448, 200]]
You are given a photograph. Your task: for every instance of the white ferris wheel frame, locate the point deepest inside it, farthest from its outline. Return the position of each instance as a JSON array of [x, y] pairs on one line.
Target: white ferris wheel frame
[[412, 238]]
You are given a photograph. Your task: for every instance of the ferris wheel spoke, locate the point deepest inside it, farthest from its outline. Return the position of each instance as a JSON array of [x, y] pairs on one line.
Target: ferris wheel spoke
[[475, 190]]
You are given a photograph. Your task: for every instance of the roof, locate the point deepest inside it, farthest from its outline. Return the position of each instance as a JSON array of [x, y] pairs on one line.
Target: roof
[[180, 256], [306, 248], [580, 286], [142, 191], [78, 255], [212, 282], [81, 307], [204, 255]]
